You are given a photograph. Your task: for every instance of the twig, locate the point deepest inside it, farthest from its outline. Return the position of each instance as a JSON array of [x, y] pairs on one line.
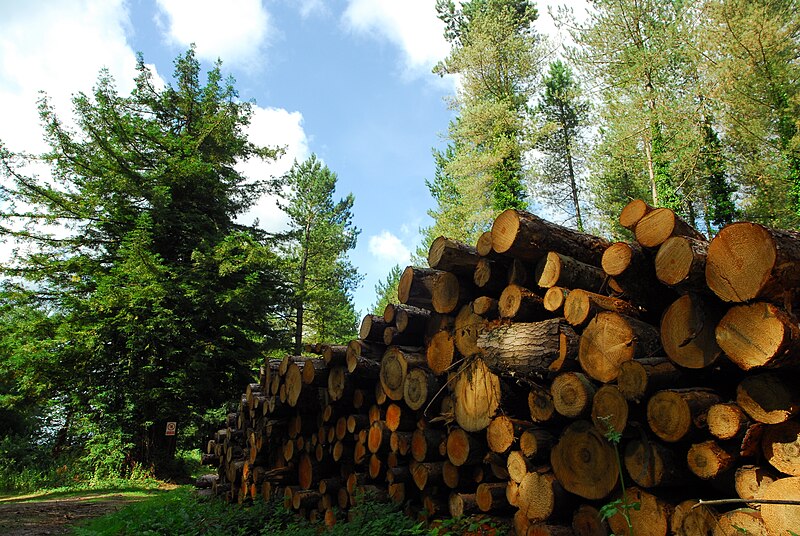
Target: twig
[[747, 501]]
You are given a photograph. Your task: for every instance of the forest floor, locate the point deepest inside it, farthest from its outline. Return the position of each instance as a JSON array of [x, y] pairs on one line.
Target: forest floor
[[58, 512]]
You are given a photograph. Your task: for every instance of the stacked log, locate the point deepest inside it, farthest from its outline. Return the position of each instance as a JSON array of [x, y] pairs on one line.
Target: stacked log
[[544, 373]]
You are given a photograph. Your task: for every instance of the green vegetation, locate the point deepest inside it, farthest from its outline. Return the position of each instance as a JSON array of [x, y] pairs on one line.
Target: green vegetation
[[184, 512], [136, 298]]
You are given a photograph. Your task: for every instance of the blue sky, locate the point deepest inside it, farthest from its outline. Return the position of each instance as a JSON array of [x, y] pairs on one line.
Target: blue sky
[[349, 80]]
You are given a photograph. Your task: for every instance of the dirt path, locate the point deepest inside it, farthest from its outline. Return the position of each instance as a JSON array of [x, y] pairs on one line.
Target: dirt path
[[21, 516]]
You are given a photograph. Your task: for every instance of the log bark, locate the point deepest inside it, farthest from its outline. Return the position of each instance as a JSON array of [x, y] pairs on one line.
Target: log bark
[[681, 264], [759, 335], [633, 212], [673, 414], [521, 305], [491, 276], [435, 290], [410, 320], [556, 269], [767, 398], [584, 462], [581, 306], [748, 261], [528, 237], [660, 224], [372, 328], [687, 331], [611, 339], [529, 348], [453, 256]]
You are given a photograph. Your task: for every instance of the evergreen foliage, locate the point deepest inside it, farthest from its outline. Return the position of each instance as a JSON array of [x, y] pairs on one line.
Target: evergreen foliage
[[321, 233], [386, 290], [135, 297], [566, 114]]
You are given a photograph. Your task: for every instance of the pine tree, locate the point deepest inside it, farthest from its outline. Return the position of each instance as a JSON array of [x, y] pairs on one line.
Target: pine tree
[[147, 302], [565, 113], [321, 233]]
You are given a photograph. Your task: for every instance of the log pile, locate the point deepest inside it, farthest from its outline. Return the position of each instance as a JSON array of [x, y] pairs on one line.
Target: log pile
[[535, 374]]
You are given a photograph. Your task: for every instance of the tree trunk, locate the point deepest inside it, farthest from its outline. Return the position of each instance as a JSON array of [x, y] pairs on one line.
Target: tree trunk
[[710, 459], [484, 244], [609, 409], [650, 519], [681, 264], [660, 224], [642, 377], [440, 351], [673, 414], [748, 261], [529, 348], [541, 496], [420, 387], [555, 269], [464, 448], [527, 237], [767, 398], [652, 464], [394, 367], [584, 462], [781, 518], [453, 256], [633, 212], [431, 289], [759, 335], [522, 305], [476, 396], [572, 394], [554, 299], [372, 328], [611, 339], [468, 327], [781, 447], [491, 276], [581, 306], [687, 332], [693, 519]]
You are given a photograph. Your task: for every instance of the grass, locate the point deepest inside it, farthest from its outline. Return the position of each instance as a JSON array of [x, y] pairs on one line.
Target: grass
[[183, 512]]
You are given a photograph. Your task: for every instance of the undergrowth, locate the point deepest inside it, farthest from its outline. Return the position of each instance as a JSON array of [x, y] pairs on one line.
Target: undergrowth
[[183, 512]]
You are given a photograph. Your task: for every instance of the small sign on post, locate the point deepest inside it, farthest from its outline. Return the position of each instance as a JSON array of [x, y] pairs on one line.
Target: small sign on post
[[171, 427]]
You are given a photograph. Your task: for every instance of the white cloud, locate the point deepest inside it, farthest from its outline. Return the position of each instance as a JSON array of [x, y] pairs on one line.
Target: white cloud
[[273, 127], [411, 25], [236, 31], [387, 247], [59, 48], [310, 7]]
